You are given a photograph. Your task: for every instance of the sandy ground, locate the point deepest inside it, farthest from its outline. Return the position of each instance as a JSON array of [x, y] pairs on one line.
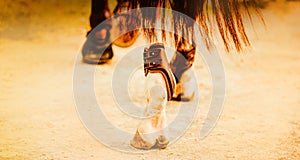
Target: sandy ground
[[38, 117]]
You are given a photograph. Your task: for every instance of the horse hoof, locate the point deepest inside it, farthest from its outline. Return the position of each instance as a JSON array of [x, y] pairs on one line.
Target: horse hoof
[[161, 143], [139, 143]]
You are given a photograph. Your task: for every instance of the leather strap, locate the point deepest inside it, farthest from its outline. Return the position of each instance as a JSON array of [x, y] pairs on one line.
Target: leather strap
[[155, 61]]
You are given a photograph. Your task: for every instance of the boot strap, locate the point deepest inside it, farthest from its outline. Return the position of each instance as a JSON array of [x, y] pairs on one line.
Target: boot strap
[[155, 61]]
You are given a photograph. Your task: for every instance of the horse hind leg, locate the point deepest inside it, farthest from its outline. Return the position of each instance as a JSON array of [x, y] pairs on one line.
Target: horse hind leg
[[151, 132], [181, 66]]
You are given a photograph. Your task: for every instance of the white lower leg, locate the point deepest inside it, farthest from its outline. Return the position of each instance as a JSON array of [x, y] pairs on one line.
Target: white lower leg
[[156, 108], [187, 85]]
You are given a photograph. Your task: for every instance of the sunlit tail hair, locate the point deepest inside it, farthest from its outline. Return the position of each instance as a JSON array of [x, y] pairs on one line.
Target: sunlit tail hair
[[226, 13]]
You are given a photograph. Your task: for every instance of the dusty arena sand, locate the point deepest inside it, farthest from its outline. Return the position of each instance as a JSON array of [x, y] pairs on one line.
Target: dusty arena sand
[[39, 42]]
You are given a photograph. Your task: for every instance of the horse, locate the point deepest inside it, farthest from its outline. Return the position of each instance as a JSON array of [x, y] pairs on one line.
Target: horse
[[168, 80]]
